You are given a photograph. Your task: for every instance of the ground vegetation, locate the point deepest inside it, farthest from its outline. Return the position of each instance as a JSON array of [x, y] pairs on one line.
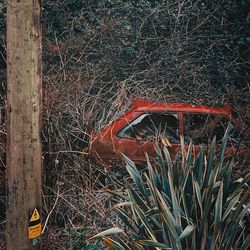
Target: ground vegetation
[[97, 56]]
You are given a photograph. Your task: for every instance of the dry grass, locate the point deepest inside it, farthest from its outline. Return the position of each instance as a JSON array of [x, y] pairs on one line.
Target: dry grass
[[183, 51]]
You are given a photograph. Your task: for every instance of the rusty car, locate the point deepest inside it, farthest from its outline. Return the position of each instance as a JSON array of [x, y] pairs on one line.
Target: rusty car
[[146, 123]]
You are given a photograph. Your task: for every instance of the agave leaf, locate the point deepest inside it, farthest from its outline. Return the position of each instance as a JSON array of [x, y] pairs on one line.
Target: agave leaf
[[209, 162], [176, 160], [126, 218], [145, 222], [233, 227], [230, 206], [114, 245], [182, 150], [167, 215], [203, 236], [193, 245], [198, 165], [108, 232], [231, 234], [166, 199], [205, 196], [153, 192], [241, 205], [186, 169], [208, 198], [123, 204], [150, 243], [168, 158], [216, 185], [243, 212], [118, 195], [135, 175], [246, 243], [224, 144], [236, 226], [137, 221], [169, 226], [212, 244], [244, 182], [189, 189], [213, 177], [194, 207], [175, 204], [153, 176], [208, 202], [177, 176], [189, 154], [154, 219], [228, 178], [186, 212], [185, 179], [198, 195], [187, 231], [159, 154], [164, 180], [218, 205], [137, 199], [171, 231], [247, 213], [165, 237], [151, 213], [223, 171]]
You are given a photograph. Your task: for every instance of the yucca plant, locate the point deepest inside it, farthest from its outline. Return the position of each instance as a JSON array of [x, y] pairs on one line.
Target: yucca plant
[[187, 204]]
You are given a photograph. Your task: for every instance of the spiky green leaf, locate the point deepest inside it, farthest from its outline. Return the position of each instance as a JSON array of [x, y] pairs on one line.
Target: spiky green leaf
[[186, 232], [150, 243], [108, 232], [218, 205]]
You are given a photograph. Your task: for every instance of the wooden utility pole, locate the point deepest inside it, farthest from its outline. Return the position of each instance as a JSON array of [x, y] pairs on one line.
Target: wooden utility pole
[[23, 222]]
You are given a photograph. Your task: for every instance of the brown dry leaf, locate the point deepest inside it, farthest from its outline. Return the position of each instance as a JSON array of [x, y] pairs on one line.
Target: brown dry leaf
[[165, 142]]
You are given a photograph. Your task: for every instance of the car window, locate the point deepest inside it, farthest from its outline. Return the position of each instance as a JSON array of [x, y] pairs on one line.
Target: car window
[[201, 128], [151, 126]]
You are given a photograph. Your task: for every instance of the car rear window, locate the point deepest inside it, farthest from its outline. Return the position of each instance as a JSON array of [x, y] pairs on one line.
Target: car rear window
[[201, 128]]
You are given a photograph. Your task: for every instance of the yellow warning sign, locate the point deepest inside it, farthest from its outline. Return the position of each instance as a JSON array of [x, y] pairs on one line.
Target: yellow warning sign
[[34, 231], [35, 215]]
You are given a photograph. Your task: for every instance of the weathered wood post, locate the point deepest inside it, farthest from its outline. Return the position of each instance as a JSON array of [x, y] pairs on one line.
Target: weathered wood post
[[23, 223]]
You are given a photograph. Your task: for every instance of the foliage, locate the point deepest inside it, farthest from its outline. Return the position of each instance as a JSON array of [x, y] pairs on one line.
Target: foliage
[[190, 203], [97, 55], [157, 43], [101, 54], [77, 241]]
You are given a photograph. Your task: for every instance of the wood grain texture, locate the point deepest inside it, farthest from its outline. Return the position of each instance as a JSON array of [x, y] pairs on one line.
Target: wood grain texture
[[23, 116]]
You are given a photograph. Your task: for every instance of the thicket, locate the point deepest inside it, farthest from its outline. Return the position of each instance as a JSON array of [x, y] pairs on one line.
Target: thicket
[[98, 55]]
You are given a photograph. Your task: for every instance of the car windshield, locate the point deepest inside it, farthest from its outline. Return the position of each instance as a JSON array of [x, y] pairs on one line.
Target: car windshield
[[151, 126]]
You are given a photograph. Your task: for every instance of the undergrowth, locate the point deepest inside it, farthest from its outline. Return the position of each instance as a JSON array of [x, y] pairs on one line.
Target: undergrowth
[[97, 56]]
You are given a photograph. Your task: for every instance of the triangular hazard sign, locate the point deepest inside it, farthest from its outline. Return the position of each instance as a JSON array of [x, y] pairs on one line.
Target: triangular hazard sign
[[35, 215]]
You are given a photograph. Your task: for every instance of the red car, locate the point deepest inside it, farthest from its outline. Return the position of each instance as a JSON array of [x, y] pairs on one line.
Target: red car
[[146, 123]]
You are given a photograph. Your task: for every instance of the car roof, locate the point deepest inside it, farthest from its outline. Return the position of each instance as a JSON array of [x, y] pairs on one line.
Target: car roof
[[149, 106]]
